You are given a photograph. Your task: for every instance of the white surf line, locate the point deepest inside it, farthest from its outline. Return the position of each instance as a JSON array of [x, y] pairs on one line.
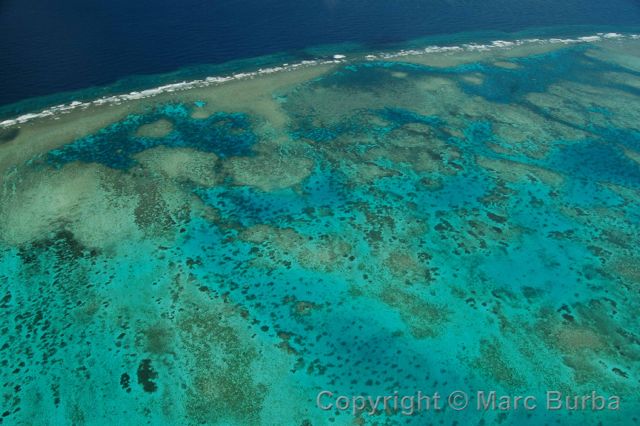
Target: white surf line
[[57, 110], [501, 44], [337, 58]]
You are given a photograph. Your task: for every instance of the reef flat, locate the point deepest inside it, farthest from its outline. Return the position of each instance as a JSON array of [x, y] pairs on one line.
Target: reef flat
[[429, 220]]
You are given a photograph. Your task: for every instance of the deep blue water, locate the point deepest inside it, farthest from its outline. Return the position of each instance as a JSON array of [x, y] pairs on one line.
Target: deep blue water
[[53, 47]]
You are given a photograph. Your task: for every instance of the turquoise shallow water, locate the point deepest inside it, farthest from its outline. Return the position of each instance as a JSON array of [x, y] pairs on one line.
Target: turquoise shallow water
[[466, 223]]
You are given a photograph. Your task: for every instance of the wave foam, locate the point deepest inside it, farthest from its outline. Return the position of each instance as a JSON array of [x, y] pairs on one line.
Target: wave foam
[[168, 88], [336, 59], [502, 44]]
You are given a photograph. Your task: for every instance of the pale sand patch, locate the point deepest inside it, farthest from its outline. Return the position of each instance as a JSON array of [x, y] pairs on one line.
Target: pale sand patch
[[101, 207], [507, 65], [181, 164], [476, 79], [268, 172], [627, 54], [439, 59], [444, 98], [575, 102], [368, 172], [320, 254], [435, 84], [286, 238], [556, 106], [517, 125], [630, 195], [498, 149], [633, 155], [257, 96], [157, 129], [74, 197], [200, 113], [623, 78], [512, 171], [573, 337], [405, 264], [415, 135], [627, 267], [399, 74]]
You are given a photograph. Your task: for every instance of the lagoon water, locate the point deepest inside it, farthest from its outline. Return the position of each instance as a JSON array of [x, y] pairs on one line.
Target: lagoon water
[[452, 213]]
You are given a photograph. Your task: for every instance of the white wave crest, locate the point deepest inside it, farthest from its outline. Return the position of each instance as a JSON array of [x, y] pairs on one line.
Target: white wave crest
[[502, 44], [336, 59], [168, 88]]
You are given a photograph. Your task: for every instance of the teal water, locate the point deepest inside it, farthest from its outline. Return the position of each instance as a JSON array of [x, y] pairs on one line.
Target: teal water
[[409, 226]]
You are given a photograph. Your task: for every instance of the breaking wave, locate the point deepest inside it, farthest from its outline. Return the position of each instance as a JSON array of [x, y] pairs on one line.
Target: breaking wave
[[335, 59]]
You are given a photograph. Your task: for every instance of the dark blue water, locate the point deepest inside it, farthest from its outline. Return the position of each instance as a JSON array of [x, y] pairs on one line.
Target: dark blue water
[[51, 47]]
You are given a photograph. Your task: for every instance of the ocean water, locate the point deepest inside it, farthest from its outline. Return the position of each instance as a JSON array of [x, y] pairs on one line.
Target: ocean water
[[52, 47], [432, 219]]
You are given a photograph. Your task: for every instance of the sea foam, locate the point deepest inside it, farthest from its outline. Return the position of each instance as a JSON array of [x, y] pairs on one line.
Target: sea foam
[[57, 110]]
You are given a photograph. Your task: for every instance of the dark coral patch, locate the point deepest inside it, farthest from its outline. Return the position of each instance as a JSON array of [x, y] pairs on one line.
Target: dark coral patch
[[225, 134], [7, 135], [147, 375]]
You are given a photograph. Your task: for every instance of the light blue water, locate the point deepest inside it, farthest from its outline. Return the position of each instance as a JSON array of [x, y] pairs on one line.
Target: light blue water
[[479, 236]]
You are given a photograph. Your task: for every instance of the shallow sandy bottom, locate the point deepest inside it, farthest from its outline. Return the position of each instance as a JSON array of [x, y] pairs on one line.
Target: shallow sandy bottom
[[220, 255]]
